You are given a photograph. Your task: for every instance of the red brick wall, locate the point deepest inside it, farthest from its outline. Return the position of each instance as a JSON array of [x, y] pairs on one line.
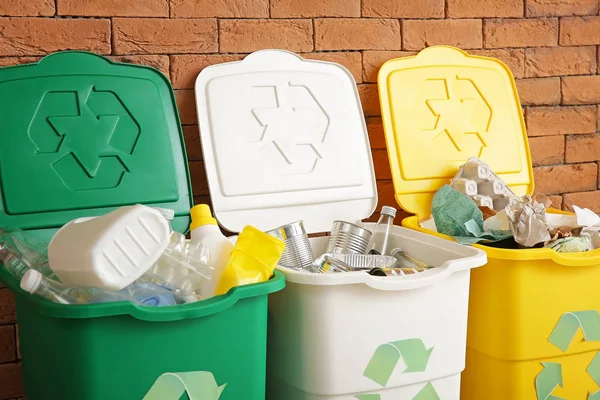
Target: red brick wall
[[551, 47]]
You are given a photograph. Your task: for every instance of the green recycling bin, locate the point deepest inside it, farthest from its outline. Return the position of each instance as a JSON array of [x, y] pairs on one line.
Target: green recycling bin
[[82, 135]]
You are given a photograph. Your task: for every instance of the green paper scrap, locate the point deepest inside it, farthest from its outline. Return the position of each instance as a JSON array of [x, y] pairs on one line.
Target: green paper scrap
[[427, 393], [456, 214], [368, 396], [569, 323], [386, 357], [548, 380], [199, 385]]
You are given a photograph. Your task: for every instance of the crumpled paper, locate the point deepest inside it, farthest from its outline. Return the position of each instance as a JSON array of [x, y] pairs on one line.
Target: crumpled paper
[[456, 214], [571, 244], [527, 220]]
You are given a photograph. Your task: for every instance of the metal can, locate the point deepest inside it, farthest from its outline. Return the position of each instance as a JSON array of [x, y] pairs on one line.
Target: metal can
[[297, 253], [348, 238], [331, 264], [396, 271]]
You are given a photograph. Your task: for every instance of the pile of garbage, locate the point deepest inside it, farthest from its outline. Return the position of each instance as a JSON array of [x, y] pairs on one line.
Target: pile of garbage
[[132, 254], [478, 206], [351, 248]]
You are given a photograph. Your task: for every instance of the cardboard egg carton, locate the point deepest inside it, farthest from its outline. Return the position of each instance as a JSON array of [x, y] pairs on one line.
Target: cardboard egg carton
[[476, 179]]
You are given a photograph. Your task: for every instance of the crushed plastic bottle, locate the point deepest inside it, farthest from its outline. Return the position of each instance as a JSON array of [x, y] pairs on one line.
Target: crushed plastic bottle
[[184, 268], [20, 251]]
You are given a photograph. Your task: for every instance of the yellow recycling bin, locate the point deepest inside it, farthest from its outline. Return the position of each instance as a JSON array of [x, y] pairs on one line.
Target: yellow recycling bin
[[534, 325]]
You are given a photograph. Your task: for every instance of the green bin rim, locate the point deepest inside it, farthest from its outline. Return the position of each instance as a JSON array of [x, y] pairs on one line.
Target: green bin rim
[[197, 309]]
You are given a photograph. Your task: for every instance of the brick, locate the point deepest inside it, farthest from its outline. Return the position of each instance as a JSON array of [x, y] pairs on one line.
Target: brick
[[577, 31], [548, 121], [418, 34], [352, 60], [10, 61], [161, 63], [193, 145], [219, 8], [551, 8], [357, 34], [199, 181], [589, 200], [39, 36], [565, 178], [114, 8], [513, 58], [186, 67], [539, 91], [581, 90], [582, 148], [498, 33], [11, 376], [485, 9], [555, 61], [18, 341], [163, 36], [381, 164], [186, 103], [314, 8], [556, 202], [403, 9], [373, 60], [245, 36], [369, 97], [8, 346], [547, 150], [387, 195], [29, 8], [376, 133], [7, 308]]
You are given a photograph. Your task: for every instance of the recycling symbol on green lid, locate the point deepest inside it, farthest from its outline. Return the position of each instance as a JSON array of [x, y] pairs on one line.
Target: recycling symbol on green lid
[[551, 375], [386, 358], [88, 131]]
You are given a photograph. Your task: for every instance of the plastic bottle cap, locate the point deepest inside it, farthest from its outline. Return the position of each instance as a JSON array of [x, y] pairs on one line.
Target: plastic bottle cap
[[387, 210], [31, 281], [166, 212], [201, 215]]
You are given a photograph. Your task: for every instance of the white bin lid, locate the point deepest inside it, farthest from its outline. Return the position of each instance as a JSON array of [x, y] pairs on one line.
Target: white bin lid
[[284, 139]]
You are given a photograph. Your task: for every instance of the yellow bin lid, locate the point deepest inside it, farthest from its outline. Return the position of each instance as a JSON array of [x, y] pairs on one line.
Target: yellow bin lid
[[443, 106]]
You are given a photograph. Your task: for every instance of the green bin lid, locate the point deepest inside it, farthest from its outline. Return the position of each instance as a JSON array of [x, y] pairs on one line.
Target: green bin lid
[[81, 135]]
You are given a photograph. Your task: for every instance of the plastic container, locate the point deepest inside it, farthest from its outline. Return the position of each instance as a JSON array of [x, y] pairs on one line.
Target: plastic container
[[125, 148], [518, 298], [284, 139], [110, 251], [204, 229]]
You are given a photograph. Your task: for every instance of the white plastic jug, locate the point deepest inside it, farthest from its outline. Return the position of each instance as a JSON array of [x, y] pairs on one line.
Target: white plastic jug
[[110, 251], [204, 229]]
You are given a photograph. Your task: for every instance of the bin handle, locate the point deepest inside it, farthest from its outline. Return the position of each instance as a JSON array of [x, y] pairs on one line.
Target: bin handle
[[584, 259]]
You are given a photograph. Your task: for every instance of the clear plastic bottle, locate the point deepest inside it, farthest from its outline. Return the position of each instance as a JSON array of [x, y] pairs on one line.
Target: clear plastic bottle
[[381, 240], [35, 283], [12, 263], [24, 249]]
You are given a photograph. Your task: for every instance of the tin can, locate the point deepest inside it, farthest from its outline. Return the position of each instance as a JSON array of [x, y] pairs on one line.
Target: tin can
[[348, 238], [396, 271], [297, 253]]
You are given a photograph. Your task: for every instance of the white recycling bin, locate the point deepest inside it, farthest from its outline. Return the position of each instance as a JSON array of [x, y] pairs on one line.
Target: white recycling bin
[[284, 139]]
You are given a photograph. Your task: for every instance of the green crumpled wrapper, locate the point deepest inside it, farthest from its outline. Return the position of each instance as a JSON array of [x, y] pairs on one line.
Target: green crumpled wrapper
[[456, 214], [572, 244]]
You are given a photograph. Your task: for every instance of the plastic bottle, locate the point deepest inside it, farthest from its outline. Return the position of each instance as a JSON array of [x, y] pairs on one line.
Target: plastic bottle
[[140, 293], [25, 249], [381, 241], [12, 263], [204, 229]]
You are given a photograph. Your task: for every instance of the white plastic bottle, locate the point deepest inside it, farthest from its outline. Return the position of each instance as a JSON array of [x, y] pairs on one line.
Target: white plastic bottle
[[204, 229]]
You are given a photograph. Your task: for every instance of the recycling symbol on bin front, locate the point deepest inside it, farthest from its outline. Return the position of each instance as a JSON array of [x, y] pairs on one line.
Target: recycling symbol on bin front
[[90, 132], [197, 385], [551, 375], [385, 360], [293, 127]]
